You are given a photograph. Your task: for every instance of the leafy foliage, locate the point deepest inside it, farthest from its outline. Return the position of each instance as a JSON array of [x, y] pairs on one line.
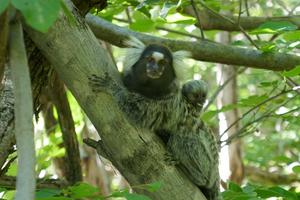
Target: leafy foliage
[[269, 108], [84, 190], [254, 192]]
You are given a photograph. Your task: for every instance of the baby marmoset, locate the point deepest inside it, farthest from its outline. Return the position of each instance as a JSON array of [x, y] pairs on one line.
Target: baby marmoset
[[153, 99]]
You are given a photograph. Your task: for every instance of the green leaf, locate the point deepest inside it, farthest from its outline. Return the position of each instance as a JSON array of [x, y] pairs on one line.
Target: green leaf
[[274, 27], [3, 189], [3, 5], [238, 43], [178, 18], [83, 190], [12, 170], [55, 198], [39, 14], [120, 193], [282, 192], [291, 36], [268, 47], [234, 187], [253, 100], [293, 72], [296, 169], [129, 196], [167, 8], [283, 159], [268, 83], [45, 193], [231, 195], [265, 193], [209, 115], [153, 187], [134, 196], [142, 22]]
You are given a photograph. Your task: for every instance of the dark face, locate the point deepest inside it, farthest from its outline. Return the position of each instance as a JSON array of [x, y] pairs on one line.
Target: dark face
[[195, 92], [153, 74], [156, 62]]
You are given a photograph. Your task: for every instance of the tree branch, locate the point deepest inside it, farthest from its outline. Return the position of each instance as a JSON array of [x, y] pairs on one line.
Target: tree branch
[[210, 21], [72, 158], [23, 114], [9, 182], [198, 18], [202, 50], [138, 154], [270, 178]]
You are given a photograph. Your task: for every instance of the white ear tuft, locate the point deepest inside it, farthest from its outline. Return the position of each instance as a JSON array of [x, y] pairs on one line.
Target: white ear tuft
[[179, 64], [133, 42], [130, 57], [132, 53]]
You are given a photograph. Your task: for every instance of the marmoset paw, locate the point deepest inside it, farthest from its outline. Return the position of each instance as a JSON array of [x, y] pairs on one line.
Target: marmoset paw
[[98, 83]]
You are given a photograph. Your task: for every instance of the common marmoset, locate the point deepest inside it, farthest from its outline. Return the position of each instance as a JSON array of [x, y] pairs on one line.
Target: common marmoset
[[155, 101]]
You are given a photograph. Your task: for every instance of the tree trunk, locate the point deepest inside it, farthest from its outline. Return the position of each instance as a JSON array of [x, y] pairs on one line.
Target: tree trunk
[[138, 154], [229, 96]]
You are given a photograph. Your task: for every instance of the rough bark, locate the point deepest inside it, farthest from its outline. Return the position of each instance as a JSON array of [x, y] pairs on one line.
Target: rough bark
[[202, 50], [138, 154], [7, 137], [3, 42]]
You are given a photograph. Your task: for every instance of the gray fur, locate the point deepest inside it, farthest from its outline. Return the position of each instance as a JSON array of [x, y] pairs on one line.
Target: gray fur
[[191, 143]]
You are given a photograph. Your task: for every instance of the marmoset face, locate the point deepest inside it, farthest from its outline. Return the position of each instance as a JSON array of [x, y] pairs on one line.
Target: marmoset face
[[156, 60]]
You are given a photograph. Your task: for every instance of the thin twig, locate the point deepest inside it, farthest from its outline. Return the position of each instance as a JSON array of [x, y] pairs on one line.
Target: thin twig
[[220, 88], [283, 6], [128, 15], [288, 112], [248, 15], [290, 82], [121, 20], [253, 108], [267, 114], [247, 8], [177, 32], [164, 29], [240, 12], [292, 10], [232, 22], [198, 19]]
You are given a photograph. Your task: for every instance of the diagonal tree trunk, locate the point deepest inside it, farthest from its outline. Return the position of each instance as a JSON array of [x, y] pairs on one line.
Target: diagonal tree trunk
[[138, 154]]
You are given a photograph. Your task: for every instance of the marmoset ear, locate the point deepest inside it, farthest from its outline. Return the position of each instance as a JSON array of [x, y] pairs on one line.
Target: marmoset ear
[[179, 64], [136, 48], [132, 53]]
